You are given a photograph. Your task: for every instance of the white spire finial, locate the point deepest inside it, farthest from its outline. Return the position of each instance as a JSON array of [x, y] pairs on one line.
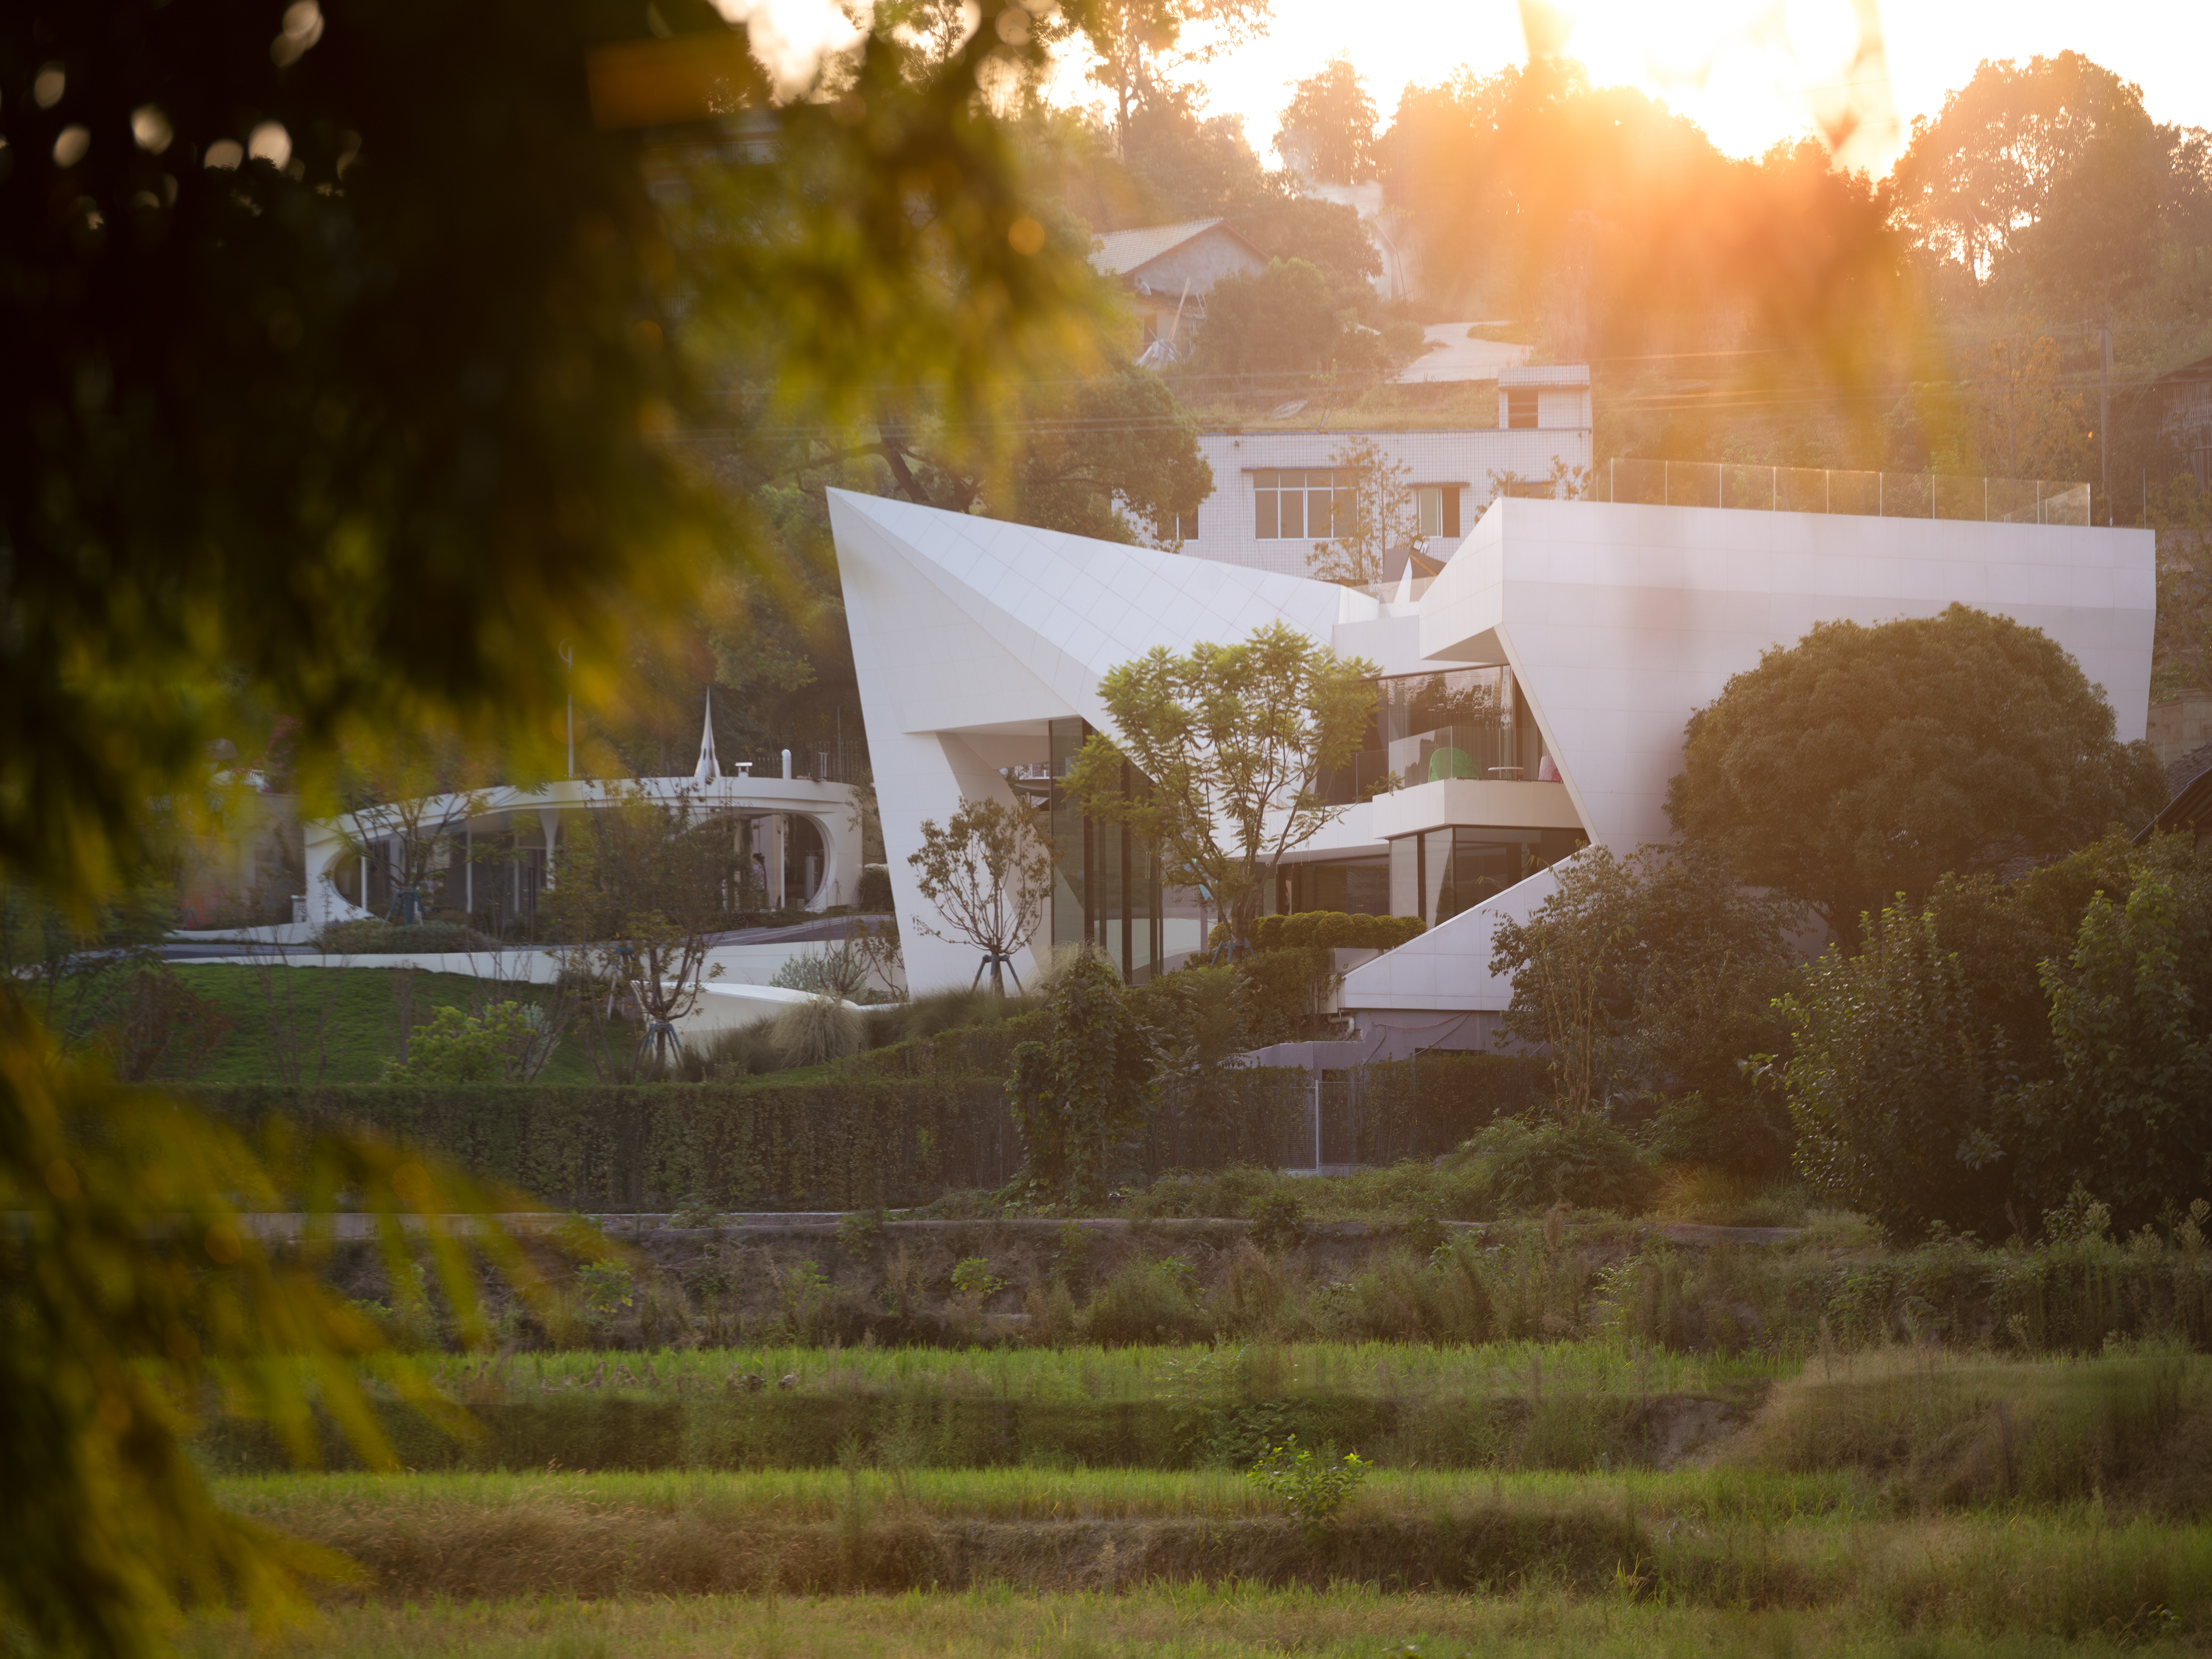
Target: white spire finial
[[708, 769]]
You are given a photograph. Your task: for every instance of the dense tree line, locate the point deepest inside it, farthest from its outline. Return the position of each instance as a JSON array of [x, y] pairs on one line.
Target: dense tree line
[[2014, 998]]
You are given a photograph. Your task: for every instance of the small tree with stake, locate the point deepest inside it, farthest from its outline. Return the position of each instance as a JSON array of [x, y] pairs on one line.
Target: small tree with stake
[[640, 891], [988, 873], [1234, 741]]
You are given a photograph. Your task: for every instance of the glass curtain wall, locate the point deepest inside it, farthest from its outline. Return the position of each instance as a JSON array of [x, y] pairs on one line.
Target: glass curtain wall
[[1106, 881], [1449, 870], [1465, 723]]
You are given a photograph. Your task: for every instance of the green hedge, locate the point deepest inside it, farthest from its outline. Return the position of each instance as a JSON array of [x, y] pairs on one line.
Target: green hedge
[[843, 1143], [856, 1141], [849, 1142], [1333, 930]]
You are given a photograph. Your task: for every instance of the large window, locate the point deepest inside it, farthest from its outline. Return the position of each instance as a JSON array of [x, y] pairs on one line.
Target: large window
[[1440, 872], [1360, 887], [1299, 506]]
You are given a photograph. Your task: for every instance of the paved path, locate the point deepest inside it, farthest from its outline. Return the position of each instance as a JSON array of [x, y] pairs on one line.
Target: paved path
[[213, 950], [1453, 356]]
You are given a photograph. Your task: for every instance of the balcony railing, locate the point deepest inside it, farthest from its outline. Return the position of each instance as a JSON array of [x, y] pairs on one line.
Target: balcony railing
[[1484, 752], [1868, 494]]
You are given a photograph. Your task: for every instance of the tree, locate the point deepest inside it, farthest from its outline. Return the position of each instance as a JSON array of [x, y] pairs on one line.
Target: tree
[[1078, 1096], [1099, 452], [642, 886], [1285, 321], [1384, 513], [1974, 1058], [411, 814], [1598, 212], [1978, 175], [1142, 46], [1329, 123], [1865, 762], [1231, 743], [1649, 981], [2125, 1115], [342, 385], [1892, 1082], [2181, 513], [988, 872]]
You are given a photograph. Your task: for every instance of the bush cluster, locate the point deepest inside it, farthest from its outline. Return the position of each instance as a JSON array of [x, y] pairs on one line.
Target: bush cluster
[[1333, 930], [372, 938]]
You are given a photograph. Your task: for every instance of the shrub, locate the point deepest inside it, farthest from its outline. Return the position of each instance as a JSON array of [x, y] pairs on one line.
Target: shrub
[[818, 1029], [1078, 1097], [1279, 1221], [694, 1213], [974, 1281], [1313, 1488], [1333, 930], [1146, 1302], [1585, 1161], [458, 1047], [372, 938], [1267, 933], [608, 1289], [875, 889], [1298, 930]]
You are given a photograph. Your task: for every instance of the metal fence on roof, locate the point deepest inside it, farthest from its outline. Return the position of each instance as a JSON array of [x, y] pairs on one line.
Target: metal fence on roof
[[1868, 495]]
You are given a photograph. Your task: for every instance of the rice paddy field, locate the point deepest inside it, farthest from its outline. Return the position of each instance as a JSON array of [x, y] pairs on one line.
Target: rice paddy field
[[1880, 1502], [1101, 1374]]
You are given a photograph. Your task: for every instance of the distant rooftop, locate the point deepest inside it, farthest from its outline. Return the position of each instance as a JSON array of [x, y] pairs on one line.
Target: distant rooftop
[[1119, 252]]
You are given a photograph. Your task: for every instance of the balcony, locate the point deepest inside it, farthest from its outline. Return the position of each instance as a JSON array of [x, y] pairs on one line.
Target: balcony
[[1485, 753], [1867, 494]]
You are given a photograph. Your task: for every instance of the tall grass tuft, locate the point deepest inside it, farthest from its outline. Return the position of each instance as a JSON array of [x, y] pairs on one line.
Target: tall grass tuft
[[818, 1030]]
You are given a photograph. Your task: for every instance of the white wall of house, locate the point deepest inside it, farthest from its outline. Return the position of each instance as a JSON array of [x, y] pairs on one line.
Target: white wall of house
[[1463, 461], [1618, 621]]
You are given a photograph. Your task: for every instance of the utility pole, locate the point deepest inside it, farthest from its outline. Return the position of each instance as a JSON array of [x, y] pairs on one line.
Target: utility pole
[[568, 661], [2104, 412]]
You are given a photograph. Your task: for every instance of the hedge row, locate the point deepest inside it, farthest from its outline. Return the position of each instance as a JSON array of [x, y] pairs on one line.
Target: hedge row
[[857, 1141], [1334, 930]]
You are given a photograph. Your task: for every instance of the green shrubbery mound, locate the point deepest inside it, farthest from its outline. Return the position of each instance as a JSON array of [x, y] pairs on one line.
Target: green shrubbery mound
[[372, 938], [1584, 1161], [1333, 930]]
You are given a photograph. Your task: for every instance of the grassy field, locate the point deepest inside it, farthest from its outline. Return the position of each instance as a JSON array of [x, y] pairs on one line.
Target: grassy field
[[1259, 1371], [348, 1018], [1162, 1622], [1883, 1502]]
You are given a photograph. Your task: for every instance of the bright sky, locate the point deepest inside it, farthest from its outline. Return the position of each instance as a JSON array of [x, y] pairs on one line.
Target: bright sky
[[1742, 68], [1747, 72]]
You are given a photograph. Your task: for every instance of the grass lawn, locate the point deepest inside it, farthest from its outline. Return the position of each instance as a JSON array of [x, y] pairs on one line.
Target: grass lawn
[[1158, 1622], [348, 1018]]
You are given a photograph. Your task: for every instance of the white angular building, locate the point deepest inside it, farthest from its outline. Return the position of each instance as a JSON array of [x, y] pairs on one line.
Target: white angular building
[[1533, 698]]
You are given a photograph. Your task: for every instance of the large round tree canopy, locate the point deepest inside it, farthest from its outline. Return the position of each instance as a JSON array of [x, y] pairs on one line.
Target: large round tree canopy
[[1864, 761]]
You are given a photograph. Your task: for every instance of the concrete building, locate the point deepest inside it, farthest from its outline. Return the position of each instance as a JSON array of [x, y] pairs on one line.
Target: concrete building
[[1533, 696], [1275, 492]]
